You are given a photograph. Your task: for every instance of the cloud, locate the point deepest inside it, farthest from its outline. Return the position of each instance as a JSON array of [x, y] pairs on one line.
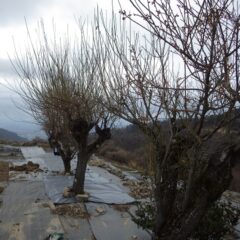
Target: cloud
[[12, 117], [12, 26], [14, 11], [6, 68]]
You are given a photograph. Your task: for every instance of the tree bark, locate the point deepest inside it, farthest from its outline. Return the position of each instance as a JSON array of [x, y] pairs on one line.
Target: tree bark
[[159, 216], [66, 156], [67, 164], [80, 129], [207, 188], [79, 180], [166, 186], [186, 224]]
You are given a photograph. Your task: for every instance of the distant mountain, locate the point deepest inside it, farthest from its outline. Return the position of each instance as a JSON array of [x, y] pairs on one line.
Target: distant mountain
[[10, 136]]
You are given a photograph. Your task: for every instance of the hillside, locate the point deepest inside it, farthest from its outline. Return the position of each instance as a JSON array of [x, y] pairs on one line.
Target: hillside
[[10, 136]]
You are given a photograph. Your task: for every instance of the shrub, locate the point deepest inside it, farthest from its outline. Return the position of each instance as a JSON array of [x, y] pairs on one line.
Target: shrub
[[144, 215], [217, 223]]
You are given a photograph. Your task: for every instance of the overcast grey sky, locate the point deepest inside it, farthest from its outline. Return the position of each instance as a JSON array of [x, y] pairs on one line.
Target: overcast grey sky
[[12, 26]]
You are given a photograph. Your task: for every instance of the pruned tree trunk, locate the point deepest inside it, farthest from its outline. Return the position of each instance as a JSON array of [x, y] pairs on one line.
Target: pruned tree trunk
[[66, 155], [80, 129], [165, 194], [159, 214], [67, 164], [176, 220], [64, 150], [78, 185]]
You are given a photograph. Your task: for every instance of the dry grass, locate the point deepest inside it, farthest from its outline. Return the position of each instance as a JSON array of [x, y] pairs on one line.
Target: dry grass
[[121, 207], [135, 159]]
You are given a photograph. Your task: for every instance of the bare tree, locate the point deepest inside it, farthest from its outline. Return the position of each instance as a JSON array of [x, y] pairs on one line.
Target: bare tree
[[171, 85], [60, 140], [60, 80], [39, 89]]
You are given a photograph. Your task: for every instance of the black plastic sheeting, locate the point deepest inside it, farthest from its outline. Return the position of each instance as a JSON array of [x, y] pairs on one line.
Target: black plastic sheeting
[[101, 189]]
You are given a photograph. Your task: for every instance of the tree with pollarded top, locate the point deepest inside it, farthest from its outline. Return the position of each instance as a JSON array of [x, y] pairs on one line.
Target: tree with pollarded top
[[59, 83]]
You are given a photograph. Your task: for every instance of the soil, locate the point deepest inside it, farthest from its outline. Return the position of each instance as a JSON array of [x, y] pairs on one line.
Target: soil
[[139, 189], [73, 210], [29, 167], [121, 207]]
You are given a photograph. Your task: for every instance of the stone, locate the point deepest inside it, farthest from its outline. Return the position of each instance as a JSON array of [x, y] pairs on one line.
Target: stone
[[100, 210], [82, 197], [67, 192], [51, 206]]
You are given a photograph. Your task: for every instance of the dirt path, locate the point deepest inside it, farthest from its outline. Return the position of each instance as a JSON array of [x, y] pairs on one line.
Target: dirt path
[[23, 215], [25, 212]]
